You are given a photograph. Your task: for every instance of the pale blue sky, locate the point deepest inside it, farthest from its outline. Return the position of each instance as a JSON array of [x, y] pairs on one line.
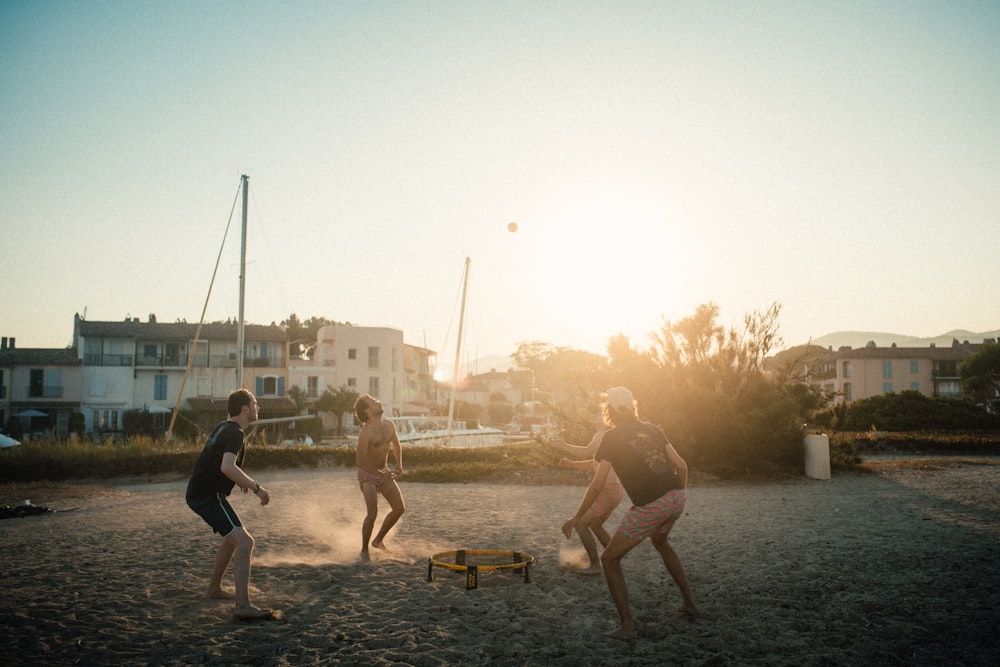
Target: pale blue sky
[[841, 158]]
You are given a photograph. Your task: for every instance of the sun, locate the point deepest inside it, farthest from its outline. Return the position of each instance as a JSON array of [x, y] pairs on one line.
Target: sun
[[613, 264]]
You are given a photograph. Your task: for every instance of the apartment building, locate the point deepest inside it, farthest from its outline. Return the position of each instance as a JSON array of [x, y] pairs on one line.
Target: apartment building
[[854, 374], [367, 360], [114, 367], [134, 365], [40, 387]]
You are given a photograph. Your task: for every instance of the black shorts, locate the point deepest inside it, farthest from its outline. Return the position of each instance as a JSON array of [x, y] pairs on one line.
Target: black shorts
[[217, 513]]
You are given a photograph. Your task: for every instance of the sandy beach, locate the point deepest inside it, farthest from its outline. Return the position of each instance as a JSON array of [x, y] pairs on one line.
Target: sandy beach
[[893, 567]]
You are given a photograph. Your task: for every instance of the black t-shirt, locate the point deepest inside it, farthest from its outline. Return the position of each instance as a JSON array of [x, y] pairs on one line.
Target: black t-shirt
[[207, 479], [638, 452]]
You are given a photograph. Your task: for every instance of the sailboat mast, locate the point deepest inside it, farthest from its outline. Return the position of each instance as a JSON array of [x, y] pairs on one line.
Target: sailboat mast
[[240, 344], [458, 348]]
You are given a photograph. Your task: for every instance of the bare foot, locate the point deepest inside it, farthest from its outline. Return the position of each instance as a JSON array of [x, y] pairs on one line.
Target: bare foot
[[691, 609], [219, 594], [623, 634], [365, 557], [379, 544], [591, 571], [251, 612]]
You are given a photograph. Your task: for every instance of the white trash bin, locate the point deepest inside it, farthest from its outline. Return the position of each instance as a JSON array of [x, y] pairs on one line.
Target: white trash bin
[[817, 456]]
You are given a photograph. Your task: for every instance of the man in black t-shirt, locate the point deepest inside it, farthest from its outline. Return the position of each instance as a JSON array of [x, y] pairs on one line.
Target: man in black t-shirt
[[216, 472], [654, 476]]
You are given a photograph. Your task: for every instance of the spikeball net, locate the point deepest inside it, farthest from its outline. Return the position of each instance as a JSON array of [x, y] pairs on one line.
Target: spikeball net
[[474, 561]]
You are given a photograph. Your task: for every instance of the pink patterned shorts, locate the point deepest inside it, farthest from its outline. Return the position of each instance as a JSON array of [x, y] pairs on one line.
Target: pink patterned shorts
[[658, 516]]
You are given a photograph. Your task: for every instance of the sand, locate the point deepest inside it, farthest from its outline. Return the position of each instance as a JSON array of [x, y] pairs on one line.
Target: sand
[[894, 567]]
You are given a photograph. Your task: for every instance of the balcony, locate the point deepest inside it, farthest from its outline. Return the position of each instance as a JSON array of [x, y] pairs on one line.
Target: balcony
[[262, 362], [98, 359], [45, 392], [174, 360]]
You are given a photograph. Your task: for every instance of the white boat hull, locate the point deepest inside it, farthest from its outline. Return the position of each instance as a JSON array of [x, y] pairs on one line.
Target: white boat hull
[[425, 433]]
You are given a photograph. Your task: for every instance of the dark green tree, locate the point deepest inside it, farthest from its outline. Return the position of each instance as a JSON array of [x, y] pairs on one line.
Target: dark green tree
[[302, 334], [981, 376], [339, 402]]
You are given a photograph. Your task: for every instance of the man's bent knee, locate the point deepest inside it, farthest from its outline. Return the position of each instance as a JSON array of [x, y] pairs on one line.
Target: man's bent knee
[[240, 537]]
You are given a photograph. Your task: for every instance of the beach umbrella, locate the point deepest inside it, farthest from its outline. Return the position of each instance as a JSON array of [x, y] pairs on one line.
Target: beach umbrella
[[158, 410], [31, 413], [7, 441]]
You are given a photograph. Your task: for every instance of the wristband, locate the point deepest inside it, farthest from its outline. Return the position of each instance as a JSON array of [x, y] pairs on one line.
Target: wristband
[[256, 487]]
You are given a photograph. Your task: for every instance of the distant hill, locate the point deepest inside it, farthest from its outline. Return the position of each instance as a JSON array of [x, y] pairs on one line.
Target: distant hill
[[836, 340], [857, 339]]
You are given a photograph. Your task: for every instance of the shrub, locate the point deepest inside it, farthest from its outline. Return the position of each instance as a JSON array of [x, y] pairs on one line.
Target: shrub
[[912, 411]]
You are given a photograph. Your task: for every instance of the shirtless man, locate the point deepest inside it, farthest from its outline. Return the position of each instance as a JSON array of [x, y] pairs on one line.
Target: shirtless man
[[377, 437]]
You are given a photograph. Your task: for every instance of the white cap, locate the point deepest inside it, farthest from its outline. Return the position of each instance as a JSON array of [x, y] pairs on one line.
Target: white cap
[[620, 398]]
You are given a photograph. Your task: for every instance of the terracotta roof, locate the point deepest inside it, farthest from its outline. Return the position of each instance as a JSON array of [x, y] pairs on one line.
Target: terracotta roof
[[39, 356], [181, 331], [933, 353]]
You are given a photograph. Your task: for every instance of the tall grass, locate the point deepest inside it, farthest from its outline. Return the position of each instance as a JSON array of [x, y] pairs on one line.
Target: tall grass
[[59, 460]]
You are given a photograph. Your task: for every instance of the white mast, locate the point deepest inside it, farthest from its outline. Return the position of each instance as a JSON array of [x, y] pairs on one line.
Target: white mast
[[458, 348], [240, 343]]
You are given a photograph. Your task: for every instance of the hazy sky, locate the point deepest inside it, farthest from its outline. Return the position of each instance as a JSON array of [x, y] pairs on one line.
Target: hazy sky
[[839, 158]]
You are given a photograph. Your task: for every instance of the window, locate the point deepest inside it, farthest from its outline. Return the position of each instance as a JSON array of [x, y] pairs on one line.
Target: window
[[915, 386], [949, 389], [848, 394], [847, 369], [373, 358], [149, 351], [105, 420], [352, 353], [312, 386], [92, 353], [270, 386], [886, 387], [373, 386], [36, 383], [887, 369], [352, 383], [159, 387], [914, 366]]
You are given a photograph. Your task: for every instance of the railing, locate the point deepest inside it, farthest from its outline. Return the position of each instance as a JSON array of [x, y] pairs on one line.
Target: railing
[[201, 360], [262, 362], [47, 391], [171, 360], [98, 359]]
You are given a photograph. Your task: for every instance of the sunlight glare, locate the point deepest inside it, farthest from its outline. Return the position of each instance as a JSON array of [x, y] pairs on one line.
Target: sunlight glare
[[614, 264]]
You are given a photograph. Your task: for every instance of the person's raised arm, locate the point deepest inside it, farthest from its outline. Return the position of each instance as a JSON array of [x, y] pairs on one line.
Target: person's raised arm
[[586, 452], [587, 465]]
